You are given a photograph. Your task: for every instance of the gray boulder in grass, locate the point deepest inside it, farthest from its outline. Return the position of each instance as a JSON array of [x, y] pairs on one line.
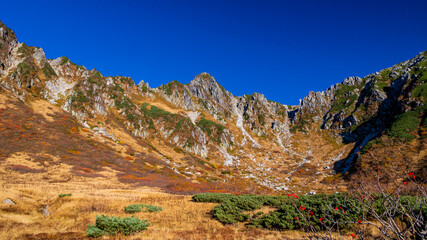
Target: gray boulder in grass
[[9, 201], [45, 211]]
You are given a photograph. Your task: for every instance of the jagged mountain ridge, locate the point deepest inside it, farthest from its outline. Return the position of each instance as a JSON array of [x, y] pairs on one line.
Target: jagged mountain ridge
[[263, 141], [364, 109]]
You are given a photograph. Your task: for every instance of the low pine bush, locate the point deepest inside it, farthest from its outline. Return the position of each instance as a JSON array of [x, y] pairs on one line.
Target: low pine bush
[[296, 212], [106, 225], [404, 125], [212, 197], [245, 202], [337, 207], [209, 127], [232, 207], [133, 208], [64, 195], [152, 208], [138, 208], [229, 213]]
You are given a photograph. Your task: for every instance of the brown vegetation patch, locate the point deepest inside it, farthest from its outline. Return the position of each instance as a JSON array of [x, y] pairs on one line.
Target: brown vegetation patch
[[25, 169]]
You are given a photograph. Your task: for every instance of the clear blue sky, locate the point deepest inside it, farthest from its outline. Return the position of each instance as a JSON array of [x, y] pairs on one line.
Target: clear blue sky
[[282, 49]]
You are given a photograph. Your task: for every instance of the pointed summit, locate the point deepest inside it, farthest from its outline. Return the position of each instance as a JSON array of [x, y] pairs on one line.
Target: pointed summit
[[8, 41], [204, 86], [6, 32], [203, 78]]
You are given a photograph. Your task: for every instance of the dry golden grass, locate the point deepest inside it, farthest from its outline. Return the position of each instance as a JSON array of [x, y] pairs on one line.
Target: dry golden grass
[[180, 218], [45, 109], [159, 102], [4, 101]]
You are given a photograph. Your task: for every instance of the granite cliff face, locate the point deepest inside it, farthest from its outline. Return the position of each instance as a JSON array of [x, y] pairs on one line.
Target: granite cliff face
[[264, 142]]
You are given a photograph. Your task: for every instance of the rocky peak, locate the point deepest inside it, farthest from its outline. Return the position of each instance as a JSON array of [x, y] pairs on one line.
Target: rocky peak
[[8, 42], [7, 36], [352, 81], [260, 99], [141, 84], [64, 67], [205, 87]]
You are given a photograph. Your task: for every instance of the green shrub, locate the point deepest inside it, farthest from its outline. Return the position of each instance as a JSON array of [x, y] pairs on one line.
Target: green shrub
[[126, 103], [155, 112], [48, 70], [144, 89], [229, 213], [152, 208], [64, 195], [211, 127], [98, 74], [116, 88], [403, 126], [294, 213], [184, 124], [421, 70], [420, 92], [232, 207], [26, 68], [138, 208], [301, 124], [244, 202], [133, 208], [286, 219], [344, 98], [90, 80], [94, 232], [222, 197], [158, 112], [115, 225], [343, 102], [25, 50], [64, 60], [168, 87], [212, 197], [385, 74], [382, 85], [79, 96], [144, 106]]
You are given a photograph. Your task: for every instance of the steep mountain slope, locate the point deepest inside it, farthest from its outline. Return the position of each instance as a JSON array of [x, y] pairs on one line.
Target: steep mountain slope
[[388, 105], [202, 134]]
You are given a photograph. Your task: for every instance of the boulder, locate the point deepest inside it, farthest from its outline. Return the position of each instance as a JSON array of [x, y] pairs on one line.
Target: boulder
[[45, 211], [9, 201]]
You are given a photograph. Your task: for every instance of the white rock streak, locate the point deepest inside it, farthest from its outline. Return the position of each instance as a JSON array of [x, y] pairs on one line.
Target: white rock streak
[[239, 124], [193, 116], [58, 88], [279, 140], [228, 158]]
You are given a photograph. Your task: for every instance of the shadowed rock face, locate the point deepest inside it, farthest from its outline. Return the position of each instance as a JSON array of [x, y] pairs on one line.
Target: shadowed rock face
[[202, 117], [8, 41]]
